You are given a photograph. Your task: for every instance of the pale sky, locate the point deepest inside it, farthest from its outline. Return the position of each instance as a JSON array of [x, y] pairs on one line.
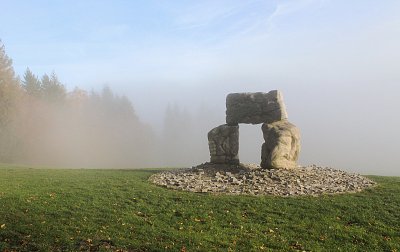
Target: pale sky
[[336, 61]]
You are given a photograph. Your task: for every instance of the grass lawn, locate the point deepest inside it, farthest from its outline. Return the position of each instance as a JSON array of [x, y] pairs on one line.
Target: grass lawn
[[118, 210]]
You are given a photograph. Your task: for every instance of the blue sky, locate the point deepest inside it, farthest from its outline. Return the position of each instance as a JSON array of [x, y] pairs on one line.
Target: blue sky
[[336, 61], [90, 43]]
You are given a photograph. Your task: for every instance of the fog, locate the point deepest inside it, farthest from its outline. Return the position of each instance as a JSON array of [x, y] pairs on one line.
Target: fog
[[351, 126], [351, 129], [173, 64]]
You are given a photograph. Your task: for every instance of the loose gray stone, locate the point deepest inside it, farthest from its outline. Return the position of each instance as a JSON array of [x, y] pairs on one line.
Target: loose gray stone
[[315, 180], [255, 108], [282, 145]]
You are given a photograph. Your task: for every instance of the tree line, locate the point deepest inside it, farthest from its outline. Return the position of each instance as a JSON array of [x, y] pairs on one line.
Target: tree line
[[41, 123]]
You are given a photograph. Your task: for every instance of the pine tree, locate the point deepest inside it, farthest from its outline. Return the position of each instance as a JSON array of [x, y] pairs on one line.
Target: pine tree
[[9, 97], [52, 89], [31, 84], [126, 110], [7, 75], [9, 88]]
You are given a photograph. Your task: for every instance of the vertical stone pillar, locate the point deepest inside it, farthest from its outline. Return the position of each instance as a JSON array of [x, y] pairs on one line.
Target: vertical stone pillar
[[223, 142], [282, 145]]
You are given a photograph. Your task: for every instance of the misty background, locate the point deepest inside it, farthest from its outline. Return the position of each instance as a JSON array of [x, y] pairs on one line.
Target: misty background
[[171, 65]]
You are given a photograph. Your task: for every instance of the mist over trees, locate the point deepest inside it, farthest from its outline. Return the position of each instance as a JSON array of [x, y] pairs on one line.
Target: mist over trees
[[184, 134], [42, 123], [10, 98]]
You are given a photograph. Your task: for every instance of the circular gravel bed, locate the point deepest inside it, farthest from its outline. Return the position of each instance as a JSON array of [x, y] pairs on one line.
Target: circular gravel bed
[[250, 179]]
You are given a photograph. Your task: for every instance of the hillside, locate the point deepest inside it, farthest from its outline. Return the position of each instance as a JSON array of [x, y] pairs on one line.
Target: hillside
[[118, 210]]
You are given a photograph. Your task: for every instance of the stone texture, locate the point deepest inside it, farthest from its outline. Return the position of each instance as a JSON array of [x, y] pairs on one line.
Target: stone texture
[[252, 180], [223, 142], [282, 139], [255, 108], [282, 145]]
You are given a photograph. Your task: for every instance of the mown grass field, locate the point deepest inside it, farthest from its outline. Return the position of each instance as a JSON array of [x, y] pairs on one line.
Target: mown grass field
[[118, 210]]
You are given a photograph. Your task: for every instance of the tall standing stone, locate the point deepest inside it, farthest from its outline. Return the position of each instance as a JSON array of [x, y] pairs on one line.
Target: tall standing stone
[[223, 142], [255, 108], [282, 145]]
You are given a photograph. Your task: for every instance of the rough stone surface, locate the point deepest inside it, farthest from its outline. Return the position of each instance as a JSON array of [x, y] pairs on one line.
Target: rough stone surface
[[252, 180], [223, 142], [255, 108], [282, 145], [282, 139]]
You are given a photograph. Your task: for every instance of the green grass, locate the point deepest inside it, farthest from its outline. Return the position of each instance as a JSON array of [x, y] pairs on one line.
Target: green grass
[[110, 210]]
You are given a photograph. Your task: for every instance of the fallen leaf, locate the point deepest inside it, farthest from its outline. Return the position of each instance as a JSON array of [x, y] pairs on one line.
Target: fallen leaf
[[3, 226], [386, 238]]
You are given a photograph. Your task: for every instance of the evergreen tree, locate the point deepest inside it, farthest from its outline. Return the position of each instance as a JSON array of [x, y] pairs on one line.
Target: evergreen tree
[[45, 85], [52, 89], [9, 88], [107, 94], [77, 97], [126, 109], [7, 75], [9, 96], [31, 84]]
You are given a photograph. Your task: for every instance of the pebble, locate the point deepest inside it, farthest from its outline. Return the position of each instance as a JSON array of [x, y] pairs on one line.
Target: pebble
[[250, 179]]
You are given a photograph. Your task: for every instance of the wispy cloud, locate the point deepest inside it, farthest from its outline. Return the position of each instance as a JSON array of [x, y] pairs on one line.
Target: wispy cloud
[[290, 7], [202, 15], [218, 20]]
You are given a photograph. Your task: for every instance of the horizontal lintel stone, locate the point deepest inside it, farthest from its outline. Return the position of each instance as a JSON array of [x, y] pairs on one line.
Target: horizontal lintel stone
[[255, 108]]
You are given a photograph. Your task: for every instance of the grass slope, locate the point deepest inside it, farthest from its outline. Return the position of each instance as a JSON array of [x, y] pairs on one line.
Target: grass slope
[[118, 210]]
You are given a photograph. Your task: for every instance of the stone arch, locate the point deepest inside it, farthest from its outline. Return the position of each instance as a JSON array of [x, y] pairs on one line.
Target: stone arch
[[282, 139]]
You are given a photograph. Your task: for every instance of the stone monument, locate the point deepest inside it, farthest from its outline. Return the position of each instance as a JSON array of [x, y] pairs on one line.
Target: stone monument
[[223, 142], [282, 139], [280, 151]]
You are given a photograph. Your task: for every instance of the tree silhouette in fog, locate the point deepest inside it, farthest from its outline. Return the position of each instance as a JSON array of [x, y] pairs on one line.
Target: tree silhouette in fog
[[9, 98], [31, 84], [52, 89], [41, 123]]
